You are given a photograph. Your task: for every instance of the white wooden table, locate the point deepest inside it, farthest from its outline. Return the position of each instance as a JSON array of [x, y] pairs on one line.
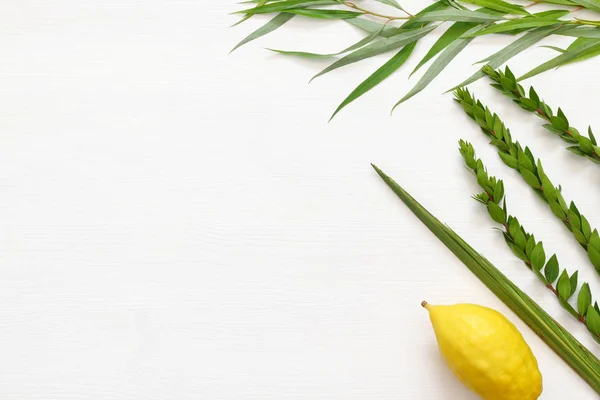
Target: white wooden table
[[180, 223]]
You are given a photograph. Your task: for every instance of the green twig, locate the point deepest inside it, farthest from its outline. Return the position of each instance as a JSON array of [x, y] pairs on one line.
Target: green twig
[[522, 160], [558, 124], [530, 251]]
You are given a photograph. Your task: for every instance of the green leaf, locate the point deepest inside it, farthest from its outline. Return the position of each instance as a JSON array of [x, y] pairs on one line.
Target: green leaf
[[392, 3], [437, 66], [530, 245], [267, 28], [551, 270], [592, 320], [524, 161], [587, 55], [594, 256], [559, 123], [499, 5], [509, 160], [378, 47], [371, 27], [520, 240], [530, 178], [557, 209], [584, 299], [455, 31], [260, 3], [563, 287], [285, 5], [586, 229], [517, 252], [508, 52], [573, 280], [593, 5], [528, 22], [582, 32], [452, 14], [378, 76], [538, 257], [552, 13], [561, 59], [574, 219], [496, 212], [595, 240], [579, 236], [576, 150], [499, 191], [324, 14], [361, 43]]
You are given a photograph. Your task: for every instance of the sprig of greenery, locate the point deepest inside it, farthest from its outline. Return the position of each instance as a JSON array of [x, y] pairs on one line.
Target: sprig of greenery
[[493, 17], [558, 124], [522, 160], [577, 356], [531, 252]]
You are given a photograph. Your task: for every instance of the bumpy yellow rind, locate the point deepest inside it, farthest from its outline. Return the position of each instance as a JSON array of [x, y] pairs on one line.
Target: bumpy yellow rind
[[486, 352]]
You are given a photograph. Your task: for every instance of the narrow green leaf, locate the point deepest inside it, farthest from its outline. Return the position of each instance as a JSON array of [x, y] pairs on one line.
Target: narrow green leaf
[[267, 28], [551, 269], [538, 256], [246, 17], [455, 31], [392, 3], [586, 229], [285, 5], [452, 14], [593, 5], [594, 256], [595, 240], [530, 245], [563, 287], [530, 178], [509, 160], [500, 5], [574, 219], [508, 52], [496, 212], [528, 22], [593, 321], [582, 42], [579, 236], [552, 14], [520, 240], [561, 59], [324, 14], [557, 209], [361, 43], [584, 299], [372, 27], [378, 76], [573, 280], [378, 47], [517, 252], [437, 66]]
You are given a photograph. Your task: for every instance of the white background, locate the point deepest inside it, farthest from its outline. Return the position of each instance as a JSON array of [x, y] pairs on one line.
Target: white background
[[180, 223]]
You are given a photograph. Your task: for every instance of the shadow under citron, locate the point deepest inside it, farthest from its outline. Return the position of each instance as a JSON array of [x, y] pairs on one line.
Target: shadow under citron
[[486, 352]]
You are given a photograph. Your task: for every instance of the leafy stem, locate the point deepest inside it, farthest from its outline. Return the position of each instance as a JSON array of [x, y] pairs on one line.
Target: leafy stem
[[522, 160], [531, 252], [506, 83]]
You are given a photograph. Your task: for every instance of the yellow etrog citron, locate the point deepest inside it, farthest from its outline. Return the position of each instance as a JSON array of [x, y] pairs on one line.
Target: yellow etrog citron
[[486, 352]]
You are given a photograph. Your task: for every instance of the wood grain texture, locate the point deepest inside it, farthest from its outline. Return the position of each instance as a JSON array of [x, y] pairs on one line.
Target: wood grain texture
[[180, 223]]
